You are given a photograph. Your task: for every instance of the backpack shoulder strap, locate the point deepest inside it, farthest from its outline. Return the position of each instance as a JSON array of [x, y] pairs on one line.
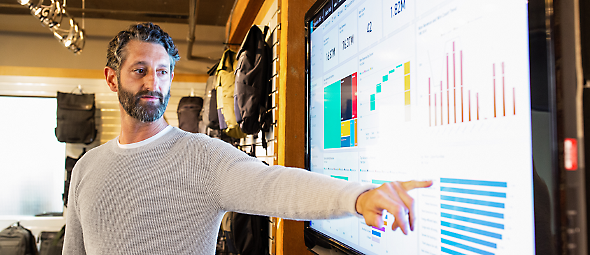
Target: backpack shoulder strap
[[265, 32]]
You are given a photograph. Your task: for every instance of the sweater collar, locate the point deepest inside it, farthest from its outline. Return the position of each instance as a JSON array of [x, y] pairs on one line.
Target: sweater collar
[[146, 141]]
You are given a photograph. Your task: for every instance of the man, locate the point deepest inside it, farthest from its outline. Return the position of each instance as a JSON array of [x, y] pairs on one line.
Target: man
[[159, 190]]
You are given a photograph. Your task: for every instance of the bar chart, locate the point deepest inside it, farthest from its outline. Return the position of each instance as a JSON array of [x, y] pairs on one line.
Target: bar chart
[[472, 215], [451, 100]]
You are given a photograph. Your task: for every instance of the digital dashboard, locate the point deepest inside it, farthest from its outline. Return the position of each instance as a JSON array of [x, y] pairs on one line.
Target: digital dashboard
[[426, 90]]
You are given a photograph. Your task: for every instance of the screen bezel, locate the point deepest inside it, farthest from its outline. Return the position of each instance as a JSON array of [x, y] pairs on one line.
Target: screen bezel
[[543, 98]]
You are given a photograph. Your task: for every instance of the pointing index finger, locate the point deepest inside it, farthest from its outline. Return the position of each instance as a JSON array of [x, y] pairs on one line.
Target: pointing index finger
[[410, 185]]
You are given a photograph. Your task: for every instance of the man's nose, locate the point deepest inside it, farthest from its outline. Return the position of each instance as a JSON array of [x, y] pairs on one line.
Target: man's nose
[[151, 81]]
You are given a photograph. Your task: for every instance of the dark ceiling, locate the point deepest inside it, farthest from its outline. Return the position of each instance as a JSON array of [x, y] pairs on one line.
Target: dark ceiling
[[209, 12]]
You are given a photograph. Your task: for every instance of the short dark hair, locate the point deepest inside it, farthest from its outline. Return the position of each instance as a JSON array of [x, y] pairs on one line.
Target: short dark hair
[[146, 32]]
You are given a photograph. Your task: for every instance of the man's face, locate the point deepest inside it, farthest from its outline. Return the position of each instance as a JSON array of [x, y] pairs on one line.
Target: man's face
[[144, 81]]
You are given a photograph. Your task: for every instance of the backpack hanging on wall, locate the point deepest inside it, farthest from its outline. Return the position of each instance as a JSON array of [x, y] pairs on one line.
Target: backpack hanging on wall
[[204, 124], [189, 113], [17, 240], [70, 163], [252, 82], [213, 116], [75, 118], [225, 95]]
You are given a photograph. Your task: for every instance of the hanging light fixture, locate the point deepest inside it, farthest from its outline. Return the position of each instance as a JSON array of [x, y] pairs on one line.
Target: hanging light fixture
[[63, 27]]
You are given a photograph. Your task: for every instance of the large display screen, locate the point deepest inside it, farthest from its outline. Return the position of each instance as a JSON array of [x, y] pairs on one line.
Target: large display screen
[[427, 90]]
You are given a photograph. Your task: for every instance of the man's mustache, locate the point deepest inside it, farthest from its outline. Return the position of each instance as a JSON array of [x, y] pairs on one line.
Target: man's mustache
[[149, 93]]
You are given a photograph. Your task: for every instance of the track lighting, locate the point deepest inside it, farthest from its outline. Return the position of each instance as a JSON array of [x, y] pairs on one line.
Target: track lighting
[[55, 17]]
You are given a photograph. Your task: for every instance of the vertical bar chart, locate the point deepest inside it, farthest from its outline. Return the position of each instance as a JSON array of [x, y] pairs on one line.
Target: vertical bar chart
[[494, 79], [448, 98], [454, 87], [441, 103], [514, 100], [472, 215], [461, 68], [503, 93], [461, 106]]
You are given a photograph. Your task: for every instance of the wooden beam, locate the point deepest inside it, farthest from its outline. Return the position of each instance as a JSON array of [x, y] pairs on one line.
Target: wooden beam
[[264, 10], [242, 18], [291, 118], [184, 77]]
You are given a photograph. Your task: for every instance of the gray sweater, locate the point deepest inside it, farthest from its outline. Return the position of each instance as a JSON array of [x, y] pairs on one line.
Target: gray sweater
[[168, 196]]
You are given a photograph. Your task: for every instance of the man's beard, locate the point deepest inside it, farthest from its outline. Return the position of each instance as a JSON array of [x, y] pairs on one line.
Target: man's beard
[[146, 112]]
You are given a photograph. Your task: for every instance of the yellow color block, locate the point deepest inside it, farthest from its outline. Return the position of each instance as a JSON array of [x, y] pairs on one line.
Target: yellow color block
[[345, 128], [407, 82], [407, 98], [356, 122], [407, 67]]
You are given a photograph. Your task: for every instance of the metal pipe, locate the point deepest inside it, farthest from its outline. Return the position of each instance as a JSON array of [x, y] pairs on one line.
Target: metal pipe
[[192, 22], [105, 11]]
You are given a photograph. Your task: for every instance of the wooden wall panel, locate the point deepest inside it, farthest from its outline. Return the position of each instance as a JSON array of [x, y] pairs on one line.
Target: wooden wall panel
[[291, 116], [289, 100]]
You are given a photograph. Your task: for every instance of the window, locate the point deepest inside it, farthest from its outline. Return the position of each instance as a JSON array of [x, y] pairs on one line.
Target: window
[[32, 161]]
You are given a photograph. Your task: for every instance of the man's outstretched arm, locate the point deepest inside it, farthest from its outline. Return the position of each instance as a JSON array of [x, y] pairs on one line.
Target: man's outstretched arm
[[394, 198]]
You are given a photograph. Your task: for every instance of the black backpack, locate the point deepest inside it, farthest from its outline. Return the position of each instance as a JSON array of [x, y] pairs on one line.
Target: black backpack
[[253, 85], [70, 163], [189, 113], [17, 240], [75, 118], [243, 234], [52, 242]]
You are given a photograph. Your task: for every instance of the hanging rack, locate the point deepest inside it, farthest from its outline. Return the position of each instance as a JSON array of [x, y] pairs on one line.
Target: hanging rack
[[79, 88]]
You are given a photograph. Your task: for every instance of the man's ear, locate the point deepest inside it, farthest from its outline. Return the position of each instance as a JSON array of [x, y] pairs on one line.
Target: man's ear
[[171, 76], [110, 76]]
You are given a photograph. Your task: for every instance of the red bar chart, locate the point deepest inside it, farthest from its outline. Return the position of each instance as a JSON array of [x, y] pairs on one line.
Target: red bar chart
[[451, 102]]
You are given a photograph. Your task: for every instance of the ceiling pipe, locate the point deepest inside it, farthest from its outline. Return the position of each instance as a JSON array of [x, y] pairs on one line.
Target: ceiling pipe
[[192, 22], [181, 16]]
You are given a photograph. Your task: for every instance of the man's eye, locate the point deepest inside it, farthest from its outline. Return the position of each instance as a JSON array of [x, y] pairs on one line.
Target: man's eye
[[163, 72], [139, 71]]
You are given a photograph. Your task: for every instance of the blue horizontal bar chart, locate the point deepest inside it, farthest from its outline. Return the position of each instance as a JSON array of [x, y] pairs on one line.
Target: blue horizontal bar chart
[[472, 215], [468, 238], [474, 182], [376, 233], [472, 230], [474, 192], [471, 220], [465, 247], [472, 201], [473, 211], [449, 251]]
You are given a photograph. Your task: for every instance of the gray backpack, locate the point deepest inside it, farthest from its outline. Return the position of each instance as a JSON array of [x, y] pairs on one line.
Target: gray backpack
[[17, 240]]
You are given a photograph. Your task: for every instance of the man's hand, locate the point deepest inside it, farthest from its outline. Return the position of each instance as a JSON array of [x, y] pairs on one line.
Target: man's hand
[[394, 198]]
